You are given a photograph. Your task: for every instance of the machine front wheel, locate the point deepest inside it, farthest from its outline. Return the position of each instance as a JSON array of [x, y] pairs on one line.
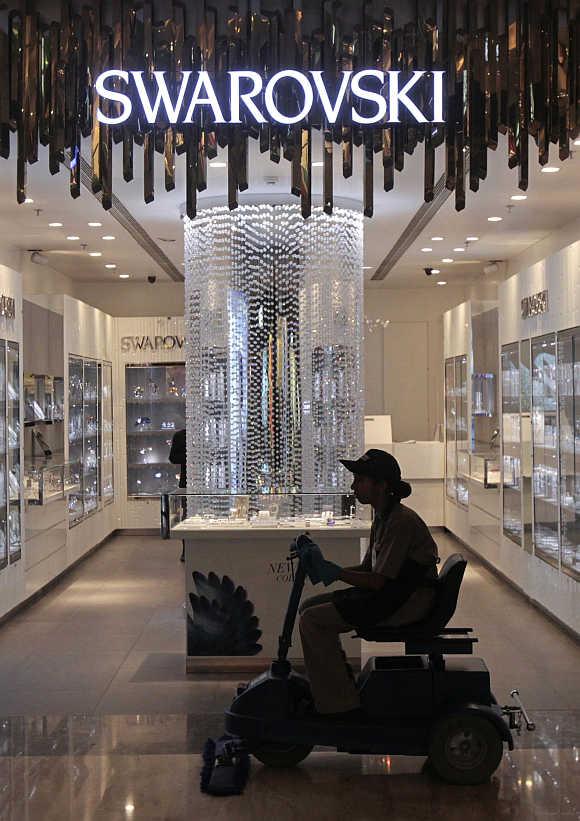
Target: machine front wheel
[[276, 754], [465, 748]]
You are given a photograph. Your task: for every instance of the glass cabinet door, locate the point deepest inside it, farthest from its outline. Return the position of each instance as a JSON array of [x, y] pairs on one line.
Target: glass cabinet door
[[545, 449], [155, 402], [463, 463], [107, 483], [75, 438], [13, 450], [511, 443], [450, 431], [569, 422], [3, 444], [90, 436]]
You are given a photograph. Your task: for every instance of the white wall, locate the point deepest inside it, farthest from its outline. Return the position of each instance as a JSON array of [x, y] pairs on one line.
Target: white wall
[[403, 370]]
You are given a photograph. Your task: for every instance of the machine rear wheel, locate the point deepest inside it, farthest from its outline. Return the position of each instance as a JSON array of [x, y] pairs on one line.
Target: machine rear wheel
[[276, 754], [465, 748]]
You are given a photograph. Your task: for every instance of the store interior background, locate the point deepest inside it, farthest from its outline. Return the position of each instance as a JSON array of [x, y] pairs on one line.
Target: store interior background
[[403, 360]]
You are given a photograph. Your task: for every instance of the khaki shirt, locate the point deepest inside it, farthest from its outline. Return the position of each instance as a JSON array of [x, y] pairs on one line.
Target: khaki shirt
[[396, 537]]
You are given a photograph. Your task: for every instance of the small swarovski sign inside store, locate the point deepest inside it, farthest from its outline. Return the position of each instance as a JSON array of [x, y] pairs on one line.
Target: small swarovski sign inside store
[[535, 305], [151, 343]]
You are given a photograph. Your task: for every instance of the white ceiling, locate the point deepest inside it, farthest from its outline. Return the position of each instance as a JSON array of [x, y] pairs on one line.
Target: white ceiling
[[552, 201]]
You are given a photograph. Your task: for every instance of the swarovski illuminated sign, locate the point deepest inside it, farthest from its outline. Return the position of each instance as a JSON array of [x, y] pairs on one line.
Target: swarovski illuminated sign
[[366, 97]]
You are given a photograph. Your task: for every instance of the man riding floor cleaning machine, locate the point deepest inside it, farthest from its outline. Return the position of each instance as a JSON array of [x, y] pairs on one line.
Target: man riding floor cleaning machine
[[420, 703]]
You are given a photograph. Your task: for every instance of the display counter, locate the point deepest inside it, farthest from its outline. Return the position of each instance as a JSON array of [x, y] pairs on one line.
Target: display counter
[[237, 571]]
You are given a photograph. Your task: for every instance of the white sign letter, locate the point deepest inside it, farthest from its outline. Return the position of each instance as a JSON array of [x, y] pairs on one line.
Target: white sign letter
[[396, 96], [374, 96], [331, 112], [204, 82], [438, 96], [115, 96], [151, 112], [276, 115], [246, 97]]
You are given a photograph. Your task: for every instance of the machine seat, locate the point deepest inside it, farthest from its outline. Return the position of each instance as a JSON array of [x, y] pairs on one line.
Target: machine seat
[[443, 607]]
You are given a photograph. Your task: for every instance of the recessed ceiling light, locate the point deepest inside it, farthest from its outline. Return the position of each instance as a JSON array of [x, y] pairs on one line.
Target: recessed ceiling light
[[447, 259], [435, 271], [471, 239], [426, 250], [459, 250], [28, 201], [95, 254], [550, 169], [217, 164], [368, 267], [317, 164], [436, 239], [441, 282], [519, 197], [124, 276], [494, 219], [95, 224], [73, 237], [55, 224], [110, 265], [108, 237]]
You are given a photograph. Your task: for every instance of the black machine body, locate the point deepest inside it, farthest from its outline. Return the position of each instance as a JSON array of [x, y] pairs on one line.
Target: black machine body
[[434, 700]]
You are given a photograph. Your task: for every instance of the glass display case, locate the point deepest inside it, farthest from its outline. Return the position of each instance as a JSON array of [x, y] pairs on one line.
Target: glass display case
[[569, 425], [44, 483], [191, 511], [485, 469], [511, 443], [106, 392], [155, 401], [545, 449], [84, 439], [457, 458]]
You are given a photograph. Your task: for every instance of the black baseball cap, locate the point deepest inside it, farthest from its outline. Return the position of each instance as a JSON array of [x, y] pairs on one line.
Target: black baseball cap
[[378, 464]]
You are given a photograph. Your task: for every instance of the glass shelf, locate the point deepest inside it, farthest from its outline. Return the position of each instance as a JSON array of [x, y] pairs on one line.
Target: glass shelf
[[154, 395]]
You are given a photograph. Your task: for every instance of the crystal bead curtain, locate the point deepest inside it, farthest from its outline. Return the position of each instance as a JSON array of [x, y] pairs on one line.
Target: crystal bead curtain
[[274, 323]]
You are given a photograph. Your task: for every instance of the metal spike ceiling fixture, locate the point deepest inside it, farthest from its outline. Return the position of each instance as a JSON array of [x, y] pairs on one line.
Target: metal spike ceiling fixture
[[511, 67]]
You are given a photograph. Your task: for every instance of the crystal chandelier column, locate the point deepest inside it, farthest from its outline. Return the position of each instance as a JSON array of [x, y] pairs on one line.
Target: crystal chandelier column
[[274, 372]]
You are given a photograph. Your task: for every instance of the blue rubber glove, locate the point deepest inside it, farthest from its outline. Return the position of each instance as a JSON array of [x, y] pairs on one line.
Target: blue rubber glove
[[321, 568], [328, 571]]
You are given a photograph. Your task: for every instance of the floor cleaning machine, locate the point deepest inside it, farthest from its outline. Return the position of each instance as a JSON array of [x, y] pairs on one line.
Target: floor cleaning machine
[[434, 700]]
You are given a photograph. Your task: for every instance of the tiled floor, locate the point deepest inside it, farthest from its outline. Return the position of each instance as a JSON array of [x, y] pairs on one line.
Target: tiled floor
[[101, 722]]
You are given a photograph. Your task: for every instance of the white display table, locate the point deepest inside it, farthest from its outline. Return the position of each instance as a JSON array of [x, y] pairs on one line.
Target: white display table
[[222, 634]]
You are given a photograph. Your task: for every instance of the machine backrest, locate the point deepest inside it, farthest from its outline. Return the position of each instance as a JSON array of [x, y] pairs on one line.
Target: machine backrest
[[446, 593]]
